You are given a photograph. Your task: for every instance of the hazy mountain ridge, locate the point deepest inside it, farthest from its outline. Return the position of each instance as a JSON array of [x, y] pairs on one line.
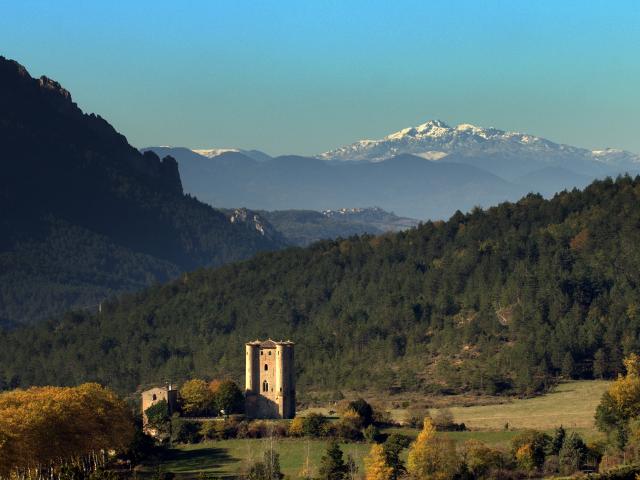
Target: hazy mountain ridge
[[408, 185]]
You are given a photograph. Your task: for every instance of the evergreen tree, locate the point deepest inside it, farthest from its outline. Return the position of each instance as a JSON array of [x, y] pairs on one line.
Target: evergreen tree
[[332, 465], [599, 364], [266, 469], [393, 447], [557, 441], [572, 454], [568, 366]]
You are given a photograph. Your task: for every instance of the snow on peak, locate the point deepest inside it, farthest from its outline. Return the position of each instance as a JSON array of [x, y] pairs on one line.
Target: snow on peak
[[213, 152], [434, 140], [437, 136]]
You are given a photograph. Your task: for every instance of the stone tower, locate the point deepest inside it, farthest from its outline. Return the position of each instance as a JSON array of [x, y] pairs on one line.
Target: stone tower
[[270, 389], [157, 394]]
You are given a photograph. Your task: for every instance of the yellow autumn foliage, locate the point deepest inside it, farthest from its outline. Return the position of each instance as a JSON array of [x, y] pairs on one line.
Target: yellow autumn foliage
[[375, 463], [197, 397], [625, 391], [432, 458], [296, 427], [524, 457], [350, 415], [47, 427]]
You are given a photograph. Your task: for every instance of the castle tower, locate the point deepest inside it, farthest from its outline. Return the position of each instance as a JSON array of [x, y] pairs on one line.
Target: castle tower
[[270, 382]]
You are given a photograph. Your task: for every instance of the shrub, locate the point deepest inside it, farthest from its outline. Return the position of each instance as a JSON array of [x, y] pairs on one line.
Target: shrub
[[313, 424], [209, 430], [481, 460], [217, 430], [257, 429], [626, 472], [279, 429], [242, 429], [184, 431], [371, 433], [296, 427], [349, 415], [551, 465], [346, 429], [526, 458], [529, 449]]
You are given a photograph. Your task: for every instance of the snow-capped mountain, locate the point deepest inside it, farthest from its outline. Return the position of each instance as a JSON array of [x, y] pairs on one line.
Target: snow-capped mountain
[[213, 152], [435, 140], [257, 155]]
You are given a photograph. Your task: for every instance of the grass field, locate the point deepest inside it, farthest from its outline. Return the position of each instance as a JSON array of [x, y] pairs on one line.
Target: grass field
[[571, 404], [228, 458]]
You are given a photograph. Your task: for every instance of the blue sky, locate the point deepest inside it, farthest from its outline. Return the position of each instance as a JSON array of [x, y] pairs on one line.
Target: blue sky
[[306, 76]]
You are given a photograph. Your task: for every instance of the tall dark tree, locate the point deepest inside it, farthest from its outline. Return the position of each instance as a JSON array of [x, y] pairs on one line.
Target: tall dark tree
[[332, 464]]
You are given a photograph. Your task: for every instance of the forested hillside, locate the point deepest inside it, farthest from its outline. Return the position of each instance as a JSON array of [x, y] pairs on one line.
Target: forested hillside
[[499, 300], [83, 215]]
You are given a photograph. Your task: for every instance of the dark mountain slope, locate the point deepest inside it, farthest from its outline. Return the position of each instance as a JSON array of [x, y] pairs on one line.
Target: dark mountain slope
[[84, 214], [506, 299]]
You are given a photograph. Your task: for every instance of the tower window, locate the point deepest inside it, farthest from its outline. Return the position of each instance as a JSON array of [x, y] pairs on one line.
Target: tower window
[[269, 353], [266, 367], [155, 397], [265, 386]]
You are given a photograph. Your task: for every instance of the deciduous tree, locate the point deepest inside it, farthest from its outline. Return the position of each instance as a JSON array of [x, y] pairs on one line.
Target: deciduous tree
[[432, 458]]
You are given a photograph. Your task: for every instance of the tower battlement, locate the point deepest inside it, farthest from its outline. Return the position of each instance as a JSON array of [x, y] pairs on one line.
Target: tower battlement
[[270, 379]]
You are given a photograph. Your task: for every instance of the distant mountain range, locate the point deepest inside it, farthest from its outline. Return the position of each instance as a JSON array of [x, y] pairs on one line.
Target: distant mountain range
[[425, 172], [85, 215], [408, 185], [508, 154]]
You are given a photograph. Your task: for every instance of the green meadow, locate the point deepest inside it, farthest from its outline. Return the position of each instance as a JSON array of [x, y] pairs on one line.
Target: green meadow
[[571, 404]]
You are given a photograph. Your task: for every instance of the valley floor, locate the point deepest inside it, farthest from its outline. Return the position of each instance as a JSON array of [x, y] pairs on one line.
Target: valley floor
[[571, 404]]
